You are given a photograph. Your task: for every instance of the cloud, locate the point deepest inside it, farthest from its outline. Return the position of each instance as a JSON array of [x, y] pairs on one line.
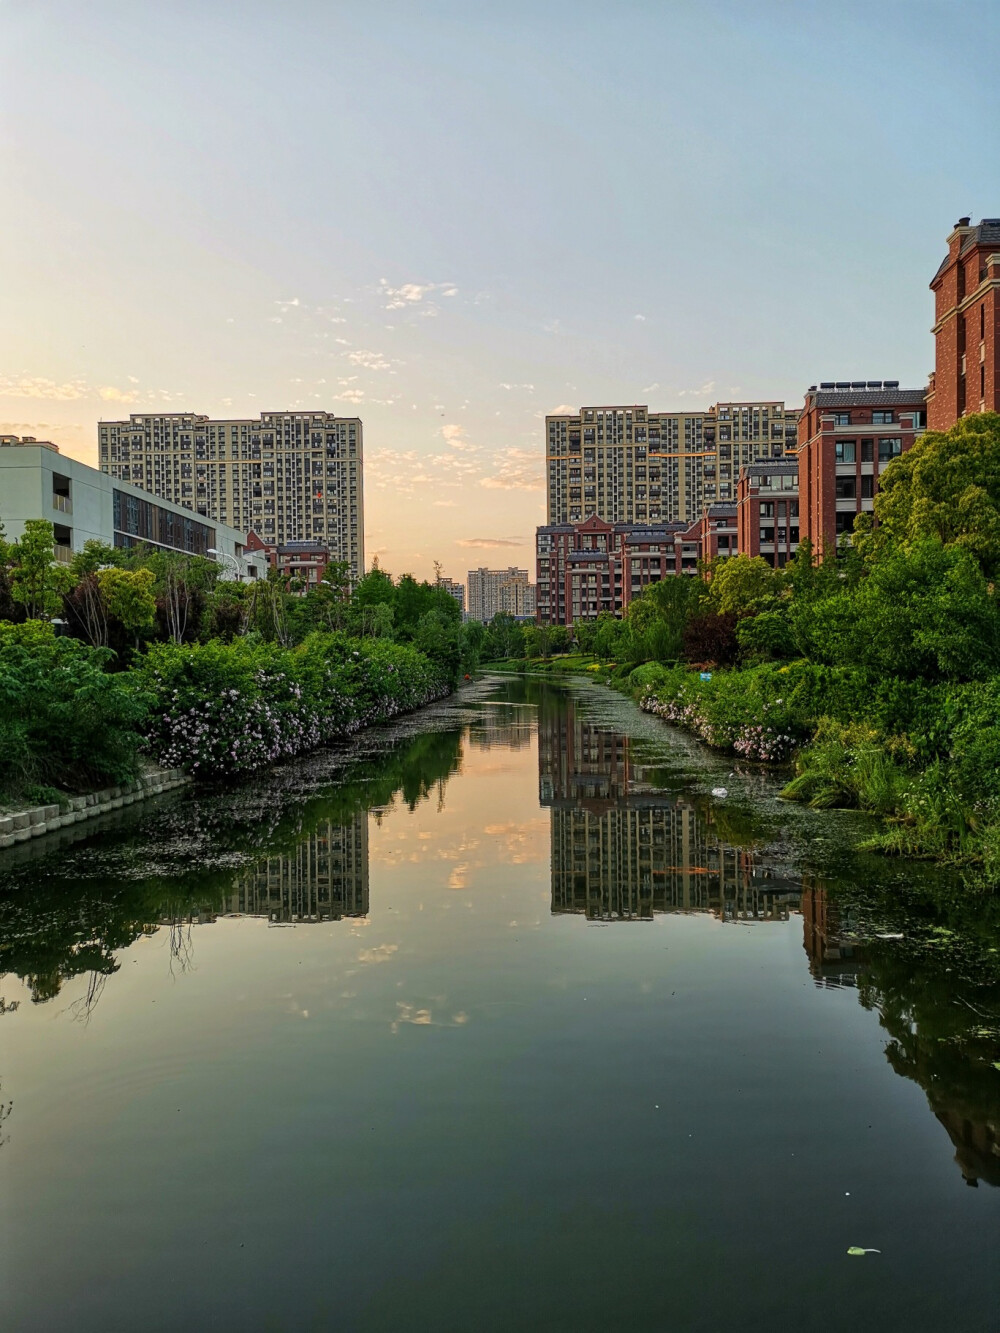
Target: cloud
[[529, 387], [488, 543], [412, 293], [519, 470], [369, 360], [36, 386], [651, 388], [109, 394], [641, 318], [563, 410], [380, 954], [703, 392], [454, 436]]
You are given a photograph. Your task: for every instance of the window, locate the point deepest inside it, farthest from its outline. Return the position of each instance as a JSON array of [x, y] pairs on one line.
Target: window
[[841, 418], [767, 509], [882, 418], [867, 487], [846, 488], [889, 449], [867, 450], [844, 451], [767, 534]]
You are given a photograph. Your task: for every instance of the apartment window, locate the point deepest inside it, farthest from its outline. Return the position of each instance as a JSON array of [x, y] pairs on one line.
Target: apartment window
[[844, 451], [889, 449], [841, 418], [867, 487], [767, 509], [867, 450], [846, 488], [882, 418]]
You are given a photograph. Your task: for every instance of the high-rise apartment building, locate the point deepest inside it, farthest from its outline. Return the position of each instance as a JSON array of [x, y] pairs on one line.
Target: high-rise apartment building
[[966, 330], [485, 587], [630, 465], [290, 476], [453, 589]]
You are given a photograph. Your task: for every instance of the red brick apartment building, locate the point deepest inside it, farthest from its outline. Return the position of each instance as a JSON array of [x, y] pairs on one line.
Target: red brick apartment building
[[767, 504], [849, 433], [590, 567], [305, 560], [966, 325]]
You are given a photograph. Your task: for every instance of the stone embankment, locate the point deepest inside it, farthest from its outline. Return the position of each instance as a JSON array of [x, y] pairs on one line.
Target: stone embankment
[[22, 825]]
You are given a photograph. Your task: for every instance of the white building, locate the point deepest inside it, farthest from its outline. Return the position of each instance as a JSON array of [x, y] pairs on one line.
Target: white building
[[82, 504]]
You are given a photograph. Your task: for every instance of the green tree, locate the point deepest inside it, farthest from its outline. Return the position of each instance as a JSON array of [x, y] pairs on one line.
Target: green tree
[[743, 584], [37, 582], [128, 595], [948, 486]]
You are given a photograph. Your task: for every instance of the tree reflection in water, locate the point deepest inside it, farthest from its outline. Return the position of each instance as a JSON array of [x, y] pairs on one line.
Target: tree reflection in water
[[628, 841]]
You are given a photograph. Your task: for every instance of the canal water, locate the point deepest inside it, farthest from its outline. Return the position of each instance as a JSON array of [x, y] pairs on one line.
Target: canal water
[[529, 1013]]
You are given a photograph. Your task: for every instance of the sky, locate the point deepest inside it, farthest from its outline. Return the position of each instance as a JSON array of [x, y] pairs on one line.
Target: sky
[[451, 218]]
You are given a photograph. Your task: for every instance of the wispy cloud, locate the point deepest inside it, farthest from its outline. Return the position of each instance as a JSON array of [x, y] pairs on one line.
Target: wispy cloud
[[640, 318], [412, 293], [370, 360], [519, 470], [36, 386], [488, 543], [454, 436], [703, 392], [529, 388]]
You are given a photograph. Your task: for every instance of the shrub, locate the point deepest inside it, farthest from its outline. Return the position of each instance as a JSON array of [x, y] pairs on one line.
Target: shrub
[[63, 719], [221, 709]]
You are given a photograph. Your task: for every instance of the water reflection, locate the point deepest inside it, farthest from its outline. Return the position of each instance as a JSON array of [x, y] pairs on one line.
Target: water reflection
[[622, 849], [627, 842], [943, 1033]]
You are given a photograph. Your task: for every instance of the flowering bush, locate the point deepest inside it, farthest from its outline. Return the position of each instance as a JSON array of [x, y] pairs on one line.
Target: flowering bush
[[738, 711], [219, 709]]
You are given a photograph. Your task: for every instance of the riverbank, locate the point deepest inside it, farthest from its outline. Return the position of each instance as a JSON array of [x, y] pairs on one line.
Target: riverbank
[[924, 759], [22, 825]]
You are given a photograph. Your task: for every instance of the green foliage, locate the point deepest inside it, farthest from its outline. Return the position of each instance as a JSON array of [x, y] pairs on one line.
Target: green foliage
[[742, 585], [947, 487], [128, 596], [504, 638], [37, 582], [63, 719], [222, 709]]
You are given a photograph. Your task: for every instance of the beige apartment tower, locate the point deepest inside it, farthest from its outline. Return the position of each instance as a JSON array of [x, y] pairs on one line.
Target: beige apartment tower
[[631, 465], [495, 590], [289, 476]]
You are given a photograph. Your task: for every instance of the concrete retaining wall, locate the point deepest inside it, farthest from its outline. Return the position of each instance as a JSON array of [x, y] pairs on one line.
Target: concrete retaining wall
[[26, 824]]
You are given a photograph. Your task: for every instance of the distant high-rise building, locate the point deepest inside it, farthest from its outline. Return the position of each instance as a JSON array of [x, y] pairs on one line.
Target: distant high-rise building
[[517, 598], [966, 291], [630, 465], [290, 476], [485, 590], [453, 589]]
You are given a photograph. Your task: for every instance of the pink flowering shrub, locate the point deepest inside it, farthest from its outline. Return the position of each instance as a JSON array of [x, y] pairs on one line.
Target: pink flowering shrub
[[738, 711], [221, 709]]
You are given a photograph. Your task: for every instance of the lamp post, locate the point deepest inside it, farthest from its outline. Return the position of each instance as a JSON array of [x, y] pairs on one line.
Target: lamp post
[[224, 555]]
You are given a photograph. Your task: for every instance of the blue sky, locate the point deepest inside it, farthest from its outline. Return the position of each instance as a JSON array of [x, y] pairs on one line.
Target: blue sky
[[452, 218]]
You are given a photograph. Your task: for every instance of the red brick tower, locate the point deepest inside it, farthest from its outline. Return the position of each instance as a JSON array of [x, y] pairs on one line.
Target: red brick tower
[[966, 325]]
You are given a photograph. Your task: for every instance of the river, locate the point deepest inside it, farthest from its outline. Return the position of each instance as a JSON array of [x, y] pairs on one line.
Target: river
[[500, 1020]]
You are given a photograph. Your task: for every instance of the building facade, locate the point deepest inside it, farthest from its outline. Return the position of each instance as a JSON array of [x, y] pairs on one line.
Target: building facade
[[454, 589], [966, 329], [849, 433], [485, 587], [589, 568], [82, 504], [630, 465], [290, 476], [517, 598], [767, 511]]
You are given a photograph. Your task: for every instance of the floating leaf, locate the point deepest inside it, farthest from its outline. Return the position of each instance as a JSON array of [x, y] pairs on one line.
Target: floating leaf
[[858, 1249]]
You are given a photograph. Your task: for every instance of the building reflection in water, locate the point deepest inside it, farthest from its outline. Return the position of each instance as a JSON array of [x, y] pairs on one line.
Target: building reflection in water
[[622, 850], [937, 1037], [324, 879]]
